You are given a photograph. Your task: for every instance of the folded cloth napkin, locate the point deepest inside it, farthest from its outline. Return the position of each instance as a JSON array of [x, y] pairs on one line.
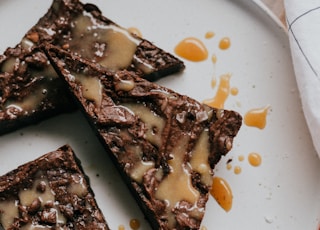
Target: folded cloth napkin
[[303, 21]]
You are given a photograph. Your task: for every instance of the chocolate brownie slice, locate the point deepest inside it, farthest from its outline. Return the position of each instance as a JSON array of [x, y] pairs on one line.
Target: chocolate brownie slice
[[30, 90], [164, 144], [51, 192]]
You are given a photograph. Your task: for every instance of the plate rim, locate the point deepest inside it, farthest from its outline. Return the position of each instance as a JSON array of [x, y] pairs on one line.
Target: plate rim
[[271, 14]]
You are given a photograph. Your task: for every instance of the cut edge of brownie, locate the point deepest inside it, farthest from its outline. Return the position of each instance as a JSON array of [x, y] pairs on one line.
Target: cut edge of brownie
[[30, 92], [50, 191], [154, 136]]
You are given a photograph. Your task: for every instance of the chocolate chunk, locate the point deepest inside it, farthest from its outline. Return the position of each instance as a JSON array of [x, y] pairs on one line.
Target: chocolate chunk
[[35, 205], [49, 217]]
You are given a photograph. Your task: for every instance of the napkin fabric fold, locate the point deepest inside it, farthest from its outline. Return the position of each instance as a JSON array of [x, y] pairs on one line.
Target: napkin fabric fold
[[303, 23]]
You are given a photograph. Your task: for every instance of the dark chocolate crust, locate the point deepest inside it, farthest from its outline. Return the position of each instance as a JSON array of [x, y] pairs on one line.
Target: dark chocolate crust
[[59, 175], [24, 71], [129, 117]]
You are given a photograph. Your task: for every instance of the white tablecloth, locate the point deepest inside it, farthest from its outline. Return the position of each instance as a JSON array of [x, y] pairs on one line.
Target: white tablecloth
[[303, 21]]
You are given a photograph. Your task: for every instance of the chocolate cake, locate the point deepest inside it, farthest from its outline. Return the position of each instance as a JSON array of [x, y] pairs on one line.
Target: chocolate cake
[[51, 192], [30, 91], [166, 145]]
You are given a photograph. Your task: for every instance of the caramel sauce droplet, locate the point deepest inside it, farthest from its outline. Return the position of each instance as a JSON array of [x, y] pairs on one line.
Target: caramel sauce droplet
[[204, 228], [224, 43], [209, 35], [234, 91], [240, 157], [237, 170], [135, 31], [254, 159], [222, 193], [214, 59], [229, 166], [213, 81], [134, 224], [192, 49], [221, 94], [256, 117], [121, 227]]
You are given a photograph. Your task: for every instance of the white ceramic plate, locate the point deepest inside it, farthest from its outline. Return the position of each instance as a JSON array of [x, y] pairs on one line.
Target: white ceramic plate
[[282, 193]]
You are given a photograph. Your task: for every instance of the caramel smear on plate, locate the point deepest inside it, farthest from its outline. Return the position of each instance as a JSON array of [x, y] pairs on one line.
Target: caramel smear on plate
[[222, 93], [222, 193], [213, 81], [214, 58], [257, 117], [192, 49]]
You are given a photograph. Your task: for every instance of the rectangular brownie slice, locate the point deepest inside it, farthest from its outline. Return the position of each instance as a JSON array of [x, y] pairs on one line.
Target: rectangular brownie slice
[[30, 91], [166, 145], [51, 192]]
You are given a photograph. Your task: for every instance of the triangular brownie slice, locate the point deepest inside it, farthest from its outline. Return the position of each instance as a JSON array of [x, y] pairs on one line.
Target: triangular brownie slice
[[30, 91], [164, 144], [51, 192]]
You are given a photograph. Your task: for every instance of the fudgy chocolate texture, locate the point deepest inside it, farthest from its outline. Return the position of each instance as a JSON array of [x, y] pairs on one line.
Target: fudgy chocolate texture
[[51, 192], [29, 88], [164, 144]]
